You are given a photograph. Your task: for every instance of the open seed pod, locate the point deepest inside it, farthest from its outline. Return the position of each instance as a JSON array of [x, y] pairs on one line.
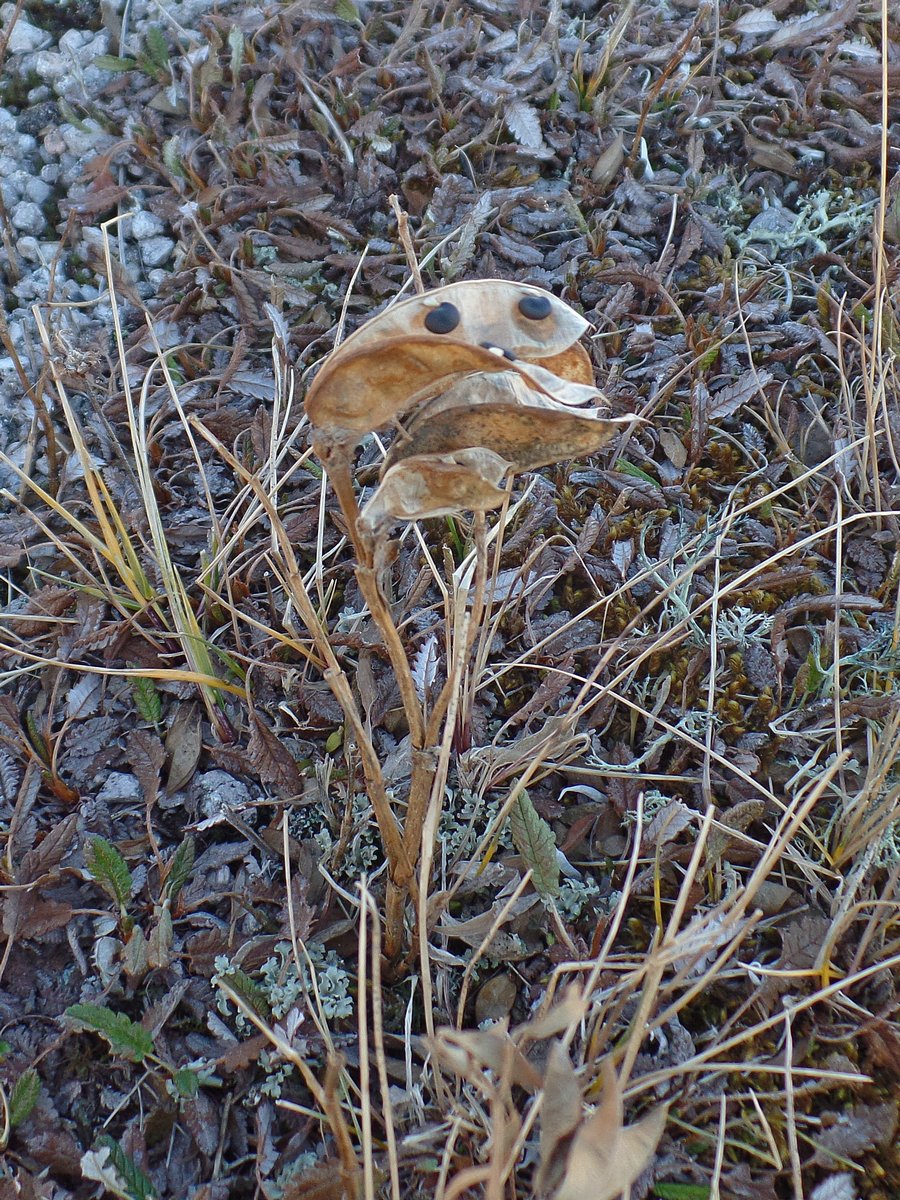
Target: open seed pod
[[501, 413], [524, 320], [364, 389], [420, 347]]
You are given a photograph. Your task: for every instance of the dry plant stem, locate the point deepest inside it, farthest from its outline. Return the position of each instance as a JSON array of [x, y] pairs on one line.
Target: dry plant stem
[[334, 674], [407, 243]]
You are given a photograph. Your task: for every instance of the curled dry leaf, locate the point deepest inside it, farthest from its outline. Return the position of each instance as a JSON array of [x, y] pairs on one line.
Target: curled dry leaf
[[469, 1052], [418, 348], [607, 1156], [484, 375]]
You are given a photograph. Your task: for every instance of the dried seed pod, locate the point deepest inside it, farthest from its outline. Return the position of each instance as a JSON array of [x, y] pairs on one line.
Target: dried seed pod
[[435, 485], [364, 390], [527, 321], [417, 349], [527, 436]]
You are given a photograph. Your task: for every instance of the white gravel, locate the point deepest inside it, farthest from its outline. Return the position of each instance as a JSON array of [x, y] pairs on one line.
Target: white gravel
[[46, 145]]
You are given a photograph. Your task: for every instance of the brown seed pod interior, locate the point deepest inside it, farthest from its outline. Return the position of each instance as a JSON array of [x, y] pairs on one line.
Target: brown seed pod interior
[[527, 436]]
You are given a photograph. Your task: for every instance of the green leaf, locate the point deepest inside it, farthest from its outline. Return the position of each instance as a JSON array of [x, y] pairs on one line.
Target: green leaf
[[534, 840], [628, 468], [252, 995], [110, 870], [171, 156], [147, 700], [180, 868], [37, 739], [5, 1048], [111, 62], [125, 1038], [346, 10], [334, 740], [187, 1083], [136, 1184], [24, 1096], [156, 48], [681, 1191]]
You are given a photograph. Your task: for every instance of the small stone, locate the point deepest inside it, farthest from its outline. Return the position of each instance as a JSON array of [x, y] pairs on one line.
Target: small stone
[[119, 786], [156, 250], [50, 66], [24, 37], [81, 141], [27, 217], [74, 40], [145, 225], [54, 143], [29, 248], [37, 190], [41, 114], [215, 791]]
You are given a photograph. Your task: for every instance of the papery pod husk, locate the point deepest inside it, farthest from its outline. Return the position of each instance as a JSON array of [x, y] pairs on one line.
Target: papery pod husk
[[527, 436], [435, 485], [573, 364], [365, 390], [488, 312]]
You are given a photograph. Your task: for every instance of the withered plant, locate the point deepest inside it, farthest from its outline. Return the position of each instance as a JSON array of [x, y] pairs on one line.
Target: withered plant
[[480, 380]]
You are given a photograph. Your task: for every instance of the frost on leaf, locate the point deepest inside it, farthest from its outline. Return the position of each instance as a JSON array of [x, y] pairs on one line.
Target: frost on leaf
[[524, 124]]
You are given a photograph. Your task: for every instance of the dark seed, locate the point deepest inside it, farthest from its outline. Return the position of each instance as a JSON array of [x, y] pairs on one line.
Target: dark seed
[[443, 319], [535, 308]]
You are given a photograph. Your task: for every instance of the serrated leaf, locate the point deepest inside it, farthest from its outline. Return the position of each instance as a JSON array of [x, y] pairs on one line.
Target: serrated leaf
[[135, 1183], [83, 698], [534, 840], [147, 699], [110, 870], [524, 124], [727, 400], [345, 10], [179, 870], [252, 995], [156, 48], [111, 62], [171, 156], [24, 1096], [125, 1037]]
